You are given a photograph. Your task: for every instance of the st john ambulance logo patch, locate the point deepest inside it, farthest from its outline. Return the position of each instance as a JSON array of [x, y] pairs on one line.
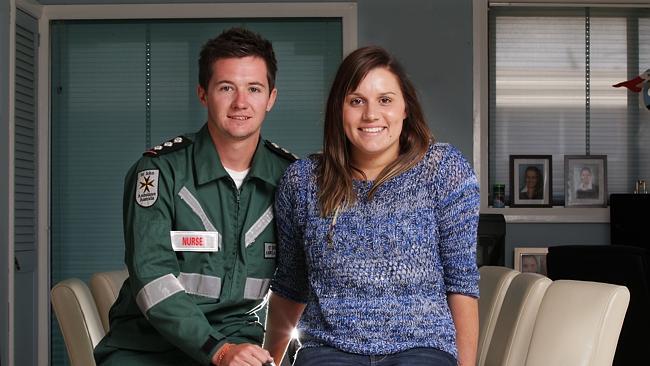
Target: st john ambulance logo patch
[[146, 193]]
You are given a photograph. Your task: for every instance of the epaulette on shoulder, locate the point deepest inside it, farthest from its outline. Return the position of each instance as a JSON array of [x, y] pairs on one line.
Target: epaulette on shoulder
[[281, 151], [168, 146]]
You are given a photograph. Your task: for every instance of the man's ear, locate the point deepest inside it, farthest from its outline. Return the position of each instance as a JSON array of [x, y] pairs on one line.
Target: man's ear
[[202, 94], [271, 102]]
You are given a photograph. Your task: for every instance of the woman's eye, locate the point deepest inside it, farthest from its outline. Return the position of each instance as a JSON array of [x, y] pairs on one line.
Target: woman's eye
[[385, 100], [356, 101]]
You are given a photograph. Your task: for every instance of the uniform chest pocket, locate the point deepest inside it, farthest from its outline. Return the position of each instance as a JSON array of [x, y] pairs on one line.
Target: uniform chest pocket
[[261, 255], [261, 243]]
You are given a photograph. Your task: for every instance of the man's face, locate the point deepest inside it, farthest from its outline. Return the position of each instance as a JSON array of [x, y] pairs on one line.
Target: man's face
[[528, 264], [237, 98]]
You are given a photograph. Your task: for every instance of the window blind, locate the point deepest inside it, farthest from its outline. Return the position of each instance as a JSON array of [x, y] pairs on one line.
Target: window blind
[[541, 62]]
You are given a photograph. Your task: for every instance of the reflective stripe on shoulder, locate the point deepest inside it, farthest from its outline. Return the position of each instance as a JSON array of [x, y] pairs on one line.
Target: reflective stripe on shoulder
[[256, 288], [259, 226], [156, 291], [202, 285], [194, 204]]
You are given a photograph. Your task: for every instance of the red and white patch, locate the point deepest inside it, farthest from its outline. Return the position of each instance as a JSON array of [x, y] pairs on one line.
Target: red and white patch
[[195, 241]]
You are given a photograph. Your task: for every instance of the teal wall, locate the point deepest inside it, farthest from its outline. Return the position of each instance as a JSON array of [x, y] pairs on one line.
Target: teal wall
[[547, 235], [434, 41]]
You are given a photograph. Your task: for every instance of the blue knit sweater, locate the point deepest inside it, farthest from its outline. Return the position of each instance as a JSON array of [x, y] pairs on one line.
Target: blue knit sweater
[[382, 286]]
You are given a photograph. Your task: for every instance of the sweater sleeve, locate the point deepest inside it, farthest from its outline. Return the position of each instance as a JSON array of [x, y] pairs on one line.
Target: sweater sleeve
[[290, 280], [458, 212]]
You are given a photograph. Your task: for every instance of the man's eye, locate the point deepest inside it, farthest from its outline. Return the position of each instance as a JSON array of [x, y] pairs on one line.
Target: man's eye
[[226, 88], [254, 89]]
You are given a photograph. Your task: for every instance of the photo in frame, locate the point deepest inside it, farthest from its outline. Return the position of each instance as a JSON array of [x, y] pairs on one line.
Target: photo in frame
[[585, 180], [531, 182], [531, 260]]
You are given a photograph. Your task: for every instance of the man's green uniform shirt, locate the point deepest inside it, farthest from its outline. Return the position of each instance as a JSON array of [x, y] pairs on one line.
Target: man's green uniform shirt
[[177, 297]]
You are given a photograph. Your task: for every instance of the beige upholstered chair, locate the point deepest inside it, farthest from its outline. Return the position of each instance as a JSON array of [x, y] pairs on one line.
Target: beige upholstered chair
[[78, 319], [105, 286], [493, 285], [82, 315], [514, 327], [578, 323]]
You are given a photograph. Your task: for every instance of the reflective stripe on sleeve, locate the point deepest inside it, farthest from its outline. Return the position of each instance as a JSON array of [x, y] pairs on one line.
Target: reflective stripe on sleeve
[[194, 204], [156, 291], [256, 288], [259, 226], [202, 285]]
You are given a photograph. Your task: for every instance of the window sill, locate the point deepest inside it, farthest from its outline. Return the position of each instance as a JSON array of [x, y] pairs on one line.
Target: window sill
[[556, 214]]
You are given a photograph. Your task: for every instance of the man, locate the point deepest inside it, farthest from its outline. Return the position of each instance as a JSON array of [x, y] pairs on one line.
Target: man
[[198, 224]]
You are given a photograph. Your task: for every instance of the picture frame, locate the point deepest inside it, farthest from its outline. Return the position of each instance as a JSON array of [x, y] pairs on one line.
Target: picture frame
[[531, 260], [531, 180], [585, 180]]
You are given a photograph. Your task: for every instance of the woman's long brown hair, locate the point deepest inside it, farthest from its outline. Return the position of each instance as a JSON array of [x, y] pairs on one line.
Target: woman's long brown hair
[[335, 170]]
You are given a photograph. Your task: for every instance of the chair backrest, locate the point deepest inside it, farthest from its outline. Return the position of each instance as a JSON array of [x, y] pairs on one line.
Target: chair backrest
[[105, 286], [493, 285], [619, 265], [78, 319], [628, 219], [514, 327], [578, 323]]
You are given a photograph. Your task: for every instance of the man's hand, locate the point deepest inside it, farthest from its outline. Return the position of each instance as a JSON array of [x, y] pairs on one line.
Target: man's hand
[[244, 354]]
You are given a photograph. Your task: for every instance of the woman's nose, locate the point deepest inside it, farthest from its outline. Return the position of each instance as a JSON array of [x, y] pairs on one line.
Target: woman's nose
[[370, 113]]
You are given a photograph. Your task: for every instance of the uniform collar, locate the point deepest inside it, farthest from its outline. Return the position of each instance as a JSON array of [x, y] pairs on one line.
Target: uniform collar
[[208, 164], [264, 165]]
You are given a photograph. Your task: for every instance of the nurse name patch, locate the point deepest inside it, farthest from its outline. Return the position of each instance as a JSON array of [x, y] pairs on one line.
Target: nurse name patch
[[146, 192]]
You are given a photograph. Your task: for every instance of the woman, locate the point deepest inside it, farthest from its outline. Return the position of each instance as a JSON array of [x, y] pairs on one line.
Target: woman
[[532, 189], [377, 234]]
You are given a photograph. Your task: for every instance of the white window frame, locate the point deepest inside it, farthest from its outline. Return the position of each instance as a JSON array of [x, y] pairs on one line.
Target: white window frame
[[347, 11], [555, 214]]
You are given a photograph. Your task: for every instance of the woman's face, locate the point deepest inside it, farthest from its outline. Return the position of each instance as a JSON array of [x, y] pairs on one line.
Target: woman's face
[[373, 116], [531, 178], [585, 177]]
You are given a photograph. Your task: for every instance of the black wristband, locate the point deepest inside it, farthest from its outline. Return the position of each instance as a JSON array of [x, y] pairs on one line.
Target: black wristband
[[209, 345]]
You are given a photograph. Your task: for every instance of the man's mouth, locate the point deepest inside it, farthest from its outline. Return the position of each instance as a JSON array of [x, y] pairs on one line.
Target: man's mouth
[[239, 118]]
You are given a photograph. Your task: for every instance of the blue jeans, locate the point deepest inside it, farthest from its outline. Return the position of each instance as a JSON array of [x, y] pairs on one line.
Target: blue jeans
[[323, 356]]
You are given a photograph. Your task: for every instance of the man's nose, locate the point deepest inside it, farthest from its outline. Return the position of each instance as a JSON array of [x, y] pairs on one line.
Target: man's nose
[[241, 100]]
